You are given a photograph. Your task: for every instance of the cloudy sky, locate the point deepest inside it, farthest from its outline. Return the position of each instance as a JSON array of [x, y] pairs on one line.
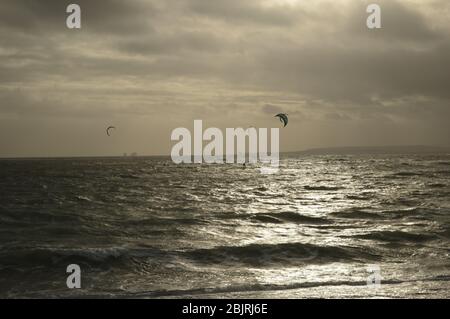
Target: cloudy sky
[[150, 66]]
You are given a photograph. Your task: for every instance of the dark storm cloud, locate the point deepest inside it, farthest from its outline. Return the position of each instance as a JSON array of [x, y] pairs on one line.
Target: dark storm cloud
[[98, 16], [225, 59]]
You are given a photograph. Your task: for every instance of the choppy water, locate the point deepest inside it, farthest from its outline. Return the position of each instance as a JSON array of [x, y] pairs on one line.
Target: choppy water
[[145, 227]]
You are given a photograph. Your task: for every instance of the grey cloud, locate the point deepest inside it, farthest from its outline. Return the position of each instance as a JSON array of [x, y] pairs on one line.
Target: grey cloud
[[401, 22], [173, 43], [224, 60], [345, 74], [111, 16], [272, 109], [245, 12]]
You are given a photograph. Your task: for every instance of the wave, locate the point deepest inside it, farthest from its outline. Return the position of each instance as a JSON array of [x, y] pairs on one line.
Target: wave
[[442, 172], [407, 174], [363, 213], [359, 197], [251, 288], [103, 258], [322, 188], [292, 217], [35, 217], [129, 176], [397, 236], [223, 291], [259, 255], [437, 185], [256, 255], [273, 287], [165, 221], [357, 214], [46, 256]]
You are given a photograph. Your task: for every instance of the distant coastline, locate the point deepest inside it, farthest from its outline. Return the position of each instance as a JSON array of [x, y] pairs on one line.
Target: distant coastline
[[344, 150], [355, 150]]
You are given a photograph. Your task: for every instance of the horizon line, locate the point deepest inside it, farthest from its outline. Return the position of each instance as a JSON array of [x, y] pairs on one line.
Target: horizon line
[[441, 147]]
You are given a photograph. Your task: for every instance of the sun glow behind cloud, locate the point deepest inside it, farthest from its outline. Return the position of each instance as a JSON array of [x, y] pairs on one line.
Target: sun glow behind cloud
[[281, 2]]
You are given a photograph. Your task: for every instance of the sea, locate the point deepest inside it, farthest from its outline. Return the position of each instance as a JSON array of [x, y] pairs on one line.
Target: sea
[[323, 226]]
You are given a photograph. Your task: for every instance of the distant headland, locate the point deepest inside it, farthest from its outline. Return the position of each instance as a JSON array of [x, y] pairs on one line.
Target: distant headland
[[399, 149]]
